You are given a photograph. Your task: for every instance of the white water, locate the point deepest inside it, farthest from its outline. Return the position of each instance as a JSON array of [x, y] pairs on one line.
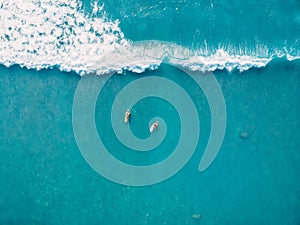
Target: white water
[[41, 34]]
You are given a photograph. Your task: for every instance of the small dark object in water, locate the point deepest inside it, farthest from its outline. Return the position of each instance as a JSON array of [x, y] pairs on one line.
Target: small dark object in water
[[244, 135], [196, 216]]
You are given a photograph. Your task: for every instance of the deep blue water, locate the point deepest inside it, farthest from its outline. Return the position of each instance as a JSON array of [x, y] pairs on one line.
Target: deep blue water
[[254, 180]]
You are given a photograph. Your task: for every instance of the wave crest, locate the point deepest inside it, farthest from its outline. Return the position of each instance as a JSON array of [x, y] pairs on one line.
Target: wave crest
[[40, 34]]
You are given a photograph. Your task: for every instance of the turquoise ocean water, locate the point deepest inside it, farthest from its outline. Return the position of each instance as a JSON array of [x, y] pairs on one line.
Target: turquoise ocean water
[[252, 48]]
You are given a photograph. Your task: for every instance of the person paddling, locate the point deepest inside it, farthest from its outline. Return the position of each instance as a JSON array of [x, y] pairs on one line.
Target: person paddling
[[127, 115], [153, 126]]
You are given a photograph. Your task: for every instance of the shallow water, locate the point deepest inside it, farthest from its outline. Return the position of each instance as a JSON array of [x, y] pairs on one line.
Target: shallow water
[[46, 180]]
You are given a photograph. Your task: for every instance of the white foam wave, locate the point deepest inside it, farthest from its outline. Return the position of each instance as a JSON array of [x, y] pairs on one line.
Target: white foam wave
[[41, 34], [45, 33], [150, 54]]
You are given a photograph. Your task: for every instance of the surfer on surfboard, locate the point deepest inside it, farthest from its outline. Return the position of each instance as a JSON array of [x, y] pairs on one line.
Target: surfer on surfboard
[[127, 115], [153, 126]]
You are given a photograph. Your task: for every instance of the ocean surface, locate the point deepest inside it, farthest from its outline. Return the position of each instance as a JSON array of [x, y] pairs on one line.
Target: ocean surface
[[221, 77]]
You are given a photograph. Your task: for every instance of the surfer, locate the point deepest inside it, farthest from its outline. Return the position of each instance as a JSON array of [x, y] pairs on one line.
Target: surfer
[[153, 126], [127, 115]]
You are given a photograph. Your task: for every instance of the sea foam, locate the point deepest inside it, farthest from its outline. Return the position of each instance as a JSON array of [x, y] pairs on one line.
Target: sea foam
[[40, 34]]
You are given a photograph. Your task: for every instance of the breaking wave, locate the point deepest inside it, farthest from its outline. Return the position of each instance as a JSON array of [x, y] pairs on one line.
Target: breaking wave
[[41, 34]]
